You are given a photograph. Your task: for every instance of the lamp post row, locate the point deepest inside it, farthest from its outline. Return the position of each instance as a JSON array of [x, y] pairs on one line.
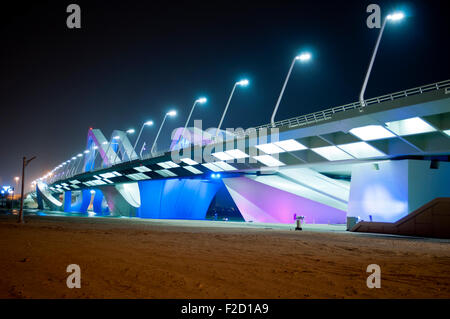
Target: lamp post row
[[303, 58]]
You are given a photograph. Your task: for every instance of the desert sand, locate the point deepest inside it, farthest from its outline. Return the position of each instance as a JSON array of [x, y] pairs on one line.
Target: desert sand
[[125, 258]]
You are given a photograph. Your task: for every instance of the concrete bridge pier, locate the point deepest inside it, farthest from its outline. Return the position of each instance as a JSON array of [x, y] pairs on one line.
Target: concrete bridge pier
[[177, 198], [99, 204], [81, 203], [46, 199], [390, 190], [122, 199]]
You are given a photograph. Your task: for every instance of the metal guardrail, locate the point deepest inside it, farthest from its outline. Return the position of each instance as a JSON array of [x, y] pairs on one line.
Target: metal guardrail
[[327, 114]]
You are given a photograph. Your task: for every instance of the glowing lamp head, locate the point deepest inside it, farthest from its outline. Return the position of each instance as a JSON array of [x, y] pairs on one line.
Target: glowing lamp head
[[396, 16], [148, 123], [16, 178], [86, 151], [306, 56], [117, 137], [201, 100], [172, 113], [105, 142], [130, 131], [243, 82], [79, 155]]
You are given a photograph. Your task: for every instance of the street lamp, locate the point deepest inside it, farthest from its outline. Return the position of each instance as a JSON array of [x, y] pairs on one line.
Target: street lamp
[[171, 114], [80, 155], [68, 165], [130, 131], [396, 16], [17, 186], [201, 100], [303, 57], [95, 147], [148, 123], [109, 146], [242, 83], [25, 163]]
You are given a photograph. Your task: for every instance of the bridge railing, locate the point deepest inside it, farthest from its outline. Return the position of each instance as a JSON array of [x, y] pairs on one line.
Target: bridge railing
[[328, 113]]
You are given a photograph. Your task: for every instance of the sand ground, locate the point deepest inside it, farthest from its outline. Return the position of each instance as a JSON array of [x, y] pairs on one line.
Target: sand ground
[[124, 258]]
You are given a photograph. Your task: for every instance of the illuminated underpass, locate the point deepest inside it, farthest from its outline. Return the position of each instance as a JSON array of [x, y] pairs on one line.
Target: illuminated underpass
[[375, 163]]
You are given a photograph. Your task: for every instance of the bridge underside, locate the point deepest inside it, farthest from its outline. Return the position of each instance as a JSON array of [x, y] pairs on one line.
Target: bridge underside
[[381, 191], [376, 164]]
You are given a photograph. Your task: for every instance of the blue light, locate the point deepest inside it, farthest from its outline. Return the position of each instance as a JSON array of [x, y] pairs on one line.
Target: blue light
[[215, 176]]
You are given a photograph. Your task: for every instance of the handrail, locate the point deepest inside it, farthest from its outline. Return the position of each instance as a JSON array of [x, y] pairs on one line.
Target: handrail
[[327, 113]]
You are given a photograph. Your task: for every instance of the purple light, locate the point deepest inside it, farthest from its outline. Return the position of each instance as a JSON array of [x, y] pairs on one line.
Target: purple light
[[265, 204]]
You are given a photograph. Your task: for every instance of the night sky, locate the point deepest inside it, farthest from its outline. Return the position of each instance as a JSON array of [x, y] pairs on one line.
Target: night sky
[[133, 60]]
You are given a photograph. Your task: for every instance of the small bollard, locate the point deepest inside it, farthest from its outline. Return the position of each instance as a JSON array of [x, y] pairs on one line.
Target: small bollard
[[299, 220]]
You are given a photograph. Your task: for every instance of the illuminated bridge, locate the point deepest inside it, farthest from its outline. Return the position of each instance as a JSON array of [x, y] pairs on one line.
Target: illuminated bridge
[[378, 163]]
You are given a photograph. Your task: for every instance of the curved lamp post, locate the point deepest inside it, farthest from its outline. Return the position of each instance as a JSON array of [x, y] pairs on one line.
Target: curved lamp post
[[109, 146], [242, 83], [304, 57], [171, 114], [148, 123], [201, 100], [129, 131], [391, 17]]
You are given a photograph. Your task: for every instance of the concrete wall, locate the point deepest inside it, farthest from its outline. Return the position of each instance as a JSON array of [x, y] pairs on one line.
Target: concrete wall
[[393, 189], [430, 220]]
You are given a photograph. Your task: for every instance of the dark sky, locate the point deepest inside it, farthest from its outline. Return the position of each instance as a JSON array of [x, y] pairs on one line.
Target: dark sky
[[133, 60]]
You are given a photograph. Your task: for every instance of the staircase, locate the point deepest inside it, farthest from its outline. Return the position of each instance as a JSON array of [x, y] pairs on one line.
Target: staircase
[[430, 220]]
